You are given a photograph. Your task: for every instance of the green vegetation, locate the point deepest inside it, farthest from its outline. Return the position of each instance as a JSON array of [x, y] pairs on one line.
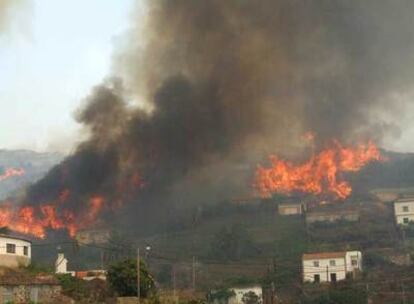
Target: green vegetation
[[122, 277]]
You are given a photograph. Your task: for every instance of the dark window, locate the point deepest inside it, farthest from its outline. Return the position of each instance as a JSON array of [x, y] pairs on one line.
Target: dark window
[[406, 220], [316, 278], [25, 250], [11, 248], [333, 277], [315, 263], [405, 208], [332, 263]]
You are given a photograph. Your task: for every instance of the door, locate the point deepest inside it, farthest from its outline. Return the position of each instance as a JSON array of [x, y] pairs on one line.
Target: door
[[333, 277]]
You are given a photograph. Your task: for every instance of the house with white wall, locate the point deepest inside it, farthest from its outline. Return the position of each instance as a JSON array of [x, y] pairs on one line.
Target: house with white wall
[[291, 208], [404, 210], [14, 251], [330, 266], [239, 292]]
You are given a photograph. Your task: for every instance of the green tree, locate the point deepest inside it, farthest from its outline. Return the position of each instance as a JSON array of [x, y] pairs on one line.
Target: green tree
[[251, 298], [122, 277], [232, 244]]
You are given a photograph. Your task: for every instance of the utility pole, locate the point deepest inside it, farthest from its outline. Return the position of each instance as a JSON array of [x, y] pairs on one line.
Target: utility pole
[[193, 274], [138, 276], [403, 292]]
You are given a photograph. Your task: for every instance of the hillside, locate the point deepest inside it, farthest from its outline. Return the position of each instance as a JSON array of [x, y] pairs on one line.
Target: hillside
[[34, 164]]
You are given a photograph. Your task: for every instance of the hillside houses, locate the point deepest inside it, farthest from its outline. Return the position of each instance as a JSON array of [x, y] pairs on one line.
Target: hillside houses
[[330, 266]]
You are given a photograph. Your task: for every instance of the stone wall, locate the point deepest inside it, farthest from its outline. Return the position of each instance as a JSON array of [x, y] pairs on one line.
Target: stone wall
[[20, 294]]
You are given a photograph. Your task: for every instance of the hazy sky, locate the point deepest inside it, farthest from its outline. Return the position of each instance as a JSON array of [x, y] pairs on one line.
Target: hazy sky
[[49, 62], [55, 51]]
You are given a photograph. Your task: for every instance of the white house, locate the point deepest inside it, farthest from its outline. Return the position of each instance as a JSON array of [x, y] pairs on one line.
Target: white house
[[404, 210], [239, 292], [14, 251], [292, 208], [330, 266]]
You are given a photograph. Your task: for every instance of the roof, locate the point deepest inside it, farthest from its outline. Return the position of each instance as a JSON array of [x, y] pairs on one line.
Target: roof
[[14, 237], [405, 200], [290, 204], [16, 278], [333, 212], [323, 255]]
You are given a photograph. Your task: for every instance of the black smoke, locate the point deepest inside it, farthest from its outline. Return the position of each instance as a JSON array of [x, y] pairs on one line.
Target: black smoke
[[224, 83]]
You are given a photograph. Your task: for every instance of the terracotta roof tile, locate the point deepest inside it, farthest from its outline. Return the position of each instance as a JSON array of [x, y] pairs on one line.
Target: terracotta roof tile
[[323, 255]]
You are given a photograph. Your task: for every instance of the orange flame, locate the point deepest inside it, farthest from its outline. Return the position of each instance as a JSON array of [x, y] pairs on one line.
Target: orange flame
[[320, 174], [37, 220], [10, 172]]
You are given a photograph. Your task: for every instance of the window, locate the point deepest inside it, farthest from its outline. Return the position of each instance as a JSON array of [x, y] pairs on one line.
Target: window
[[406, 220], [405, 208], [316, 278], [25, 250], [332, 263], [315, 263], [354, 261], [333, 277], [10, 248]]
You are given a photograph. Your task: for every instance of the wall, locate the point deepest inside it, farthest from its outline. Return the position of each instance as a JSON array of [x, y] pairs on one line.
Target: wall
[[400, 215], [14, 260], [26, 293], [290, 210], [331, 217], [324, 270]]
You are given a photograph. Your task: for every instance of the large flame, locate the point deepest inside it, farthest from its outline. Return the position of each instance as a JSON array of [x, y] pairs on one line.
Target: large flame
[[320, 174], [35, 220], [10, 172]]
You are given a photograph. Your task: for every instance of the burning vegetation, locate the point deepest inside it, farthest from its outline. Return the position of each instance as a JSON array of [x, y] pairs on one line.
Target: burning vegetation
[[320, 174], [214, 87], [10, 172]]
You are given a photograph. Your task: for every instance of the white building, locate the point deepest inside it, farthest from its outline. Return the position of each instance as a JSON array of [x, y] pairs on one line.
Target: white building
[[330, 266], [14, 251], [404, 211], [239, 292], [291, 208], [61, 264]]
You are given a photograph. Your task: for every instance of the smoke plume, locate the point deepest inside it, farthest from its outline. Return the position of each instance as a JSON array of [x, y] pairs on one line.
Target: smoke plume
[[224, 84]]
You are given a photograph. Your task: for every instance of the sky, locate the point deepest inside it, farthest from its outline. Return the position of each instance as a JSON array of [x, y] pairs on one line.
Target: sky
[[55, 52], [48, 62]]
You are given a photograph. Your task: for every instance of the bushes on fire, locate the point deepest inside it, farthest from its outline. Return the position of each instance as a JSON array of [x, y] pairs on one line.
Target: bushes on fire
[[122, 277]]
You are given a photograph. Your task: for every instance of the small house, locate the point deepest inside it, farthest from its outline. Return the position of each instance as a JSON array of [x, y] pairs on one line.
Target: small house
[[18, 287], [332, 216], [291, 208], [14, 251], [330, 266], [242, 293], [404, 211]]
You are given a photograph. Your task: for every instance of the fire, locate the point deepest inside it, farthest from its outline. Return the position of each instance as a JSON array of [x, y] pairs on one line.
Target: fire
[[10, 172], [36, 220], [320, 174]]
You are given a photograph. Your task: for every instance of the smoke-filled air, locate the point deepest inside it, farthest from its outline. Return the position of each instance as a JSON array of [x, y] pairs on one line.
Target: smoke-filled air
[[215, 87]]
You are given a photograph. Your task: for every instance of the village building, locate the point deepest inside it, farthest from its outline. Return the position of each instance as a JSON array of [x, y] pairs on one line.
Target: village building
[[404, 210], [61, 267], [291, 208], [14, 251], [23, 288], [332, 216], [330, 266], [240, 292]]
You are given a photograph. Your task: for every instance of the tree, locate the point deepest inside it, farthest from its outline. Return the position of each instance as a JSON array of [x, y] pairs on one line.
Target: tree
[[122, 277], [251, 298], [232, 244]]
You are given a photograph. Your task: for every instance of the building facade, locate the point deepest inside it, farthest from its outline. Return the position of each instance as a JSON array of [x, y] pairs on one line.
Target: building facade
[[14, 251], [332, 216], [404, 211], [291, 208], [240, 292], [330, 266]]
